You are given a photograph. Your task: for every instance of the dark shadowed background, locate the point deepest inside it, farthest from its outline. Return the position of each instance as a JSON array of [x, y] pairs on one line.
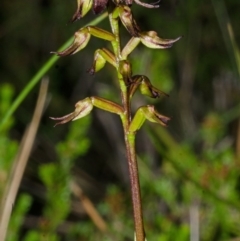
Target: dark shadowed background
[[76, 185]]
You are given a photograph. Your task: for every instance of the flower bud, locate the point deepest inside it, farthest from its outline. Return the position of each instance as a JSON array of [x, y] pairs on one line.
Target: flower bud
[[80, 41], [83, 7], [101, 56], [147, 112], [153, 116], [145, 87], [128, 21], [126, 71]]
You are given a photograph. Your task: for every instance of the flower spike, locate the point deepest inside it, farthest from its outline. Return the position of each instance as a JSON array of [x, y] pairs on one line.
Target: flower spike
[[119, 11]]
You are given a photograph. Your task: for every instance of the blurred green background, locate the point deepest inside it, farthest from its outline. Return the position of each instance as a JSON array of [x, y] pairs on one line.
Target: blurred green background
[[76, 185]]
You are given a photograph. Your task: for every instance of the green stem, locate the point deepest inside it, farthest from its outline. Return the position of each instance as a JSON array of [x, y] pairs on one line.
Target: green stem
[[129, 138], [115, 30], [135, 186], [36, 78]]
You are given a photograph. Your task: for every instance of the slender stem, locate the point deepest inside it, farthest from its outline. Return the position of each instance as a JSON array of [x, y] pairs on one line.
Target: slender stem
[[129, 138], [20, 163], [135, 186]]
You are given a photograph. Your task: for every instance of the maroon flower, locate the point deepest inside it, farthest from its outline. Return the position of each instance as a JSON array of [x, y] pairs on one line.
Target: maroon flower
[[83, 6]]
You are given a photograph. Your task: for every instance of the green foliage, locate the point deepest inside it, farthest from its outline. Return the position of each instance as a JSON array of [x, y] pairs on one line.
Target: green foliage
[[195, 168], [8, 150], [207, 182], [17, 218], [57, 177], [7, 154], [32, 236]]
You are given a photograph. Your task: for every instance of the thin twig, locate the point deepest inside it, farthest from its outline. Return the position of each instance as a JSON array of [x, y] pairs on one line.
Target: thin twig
[[20, 162], [89, 207]]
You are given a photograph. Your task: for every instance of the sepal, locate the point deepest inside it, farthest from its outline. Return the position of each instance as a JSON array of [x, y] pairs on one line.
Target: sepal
[[147, 112], [146, 88], [101, 56], [151, 40]]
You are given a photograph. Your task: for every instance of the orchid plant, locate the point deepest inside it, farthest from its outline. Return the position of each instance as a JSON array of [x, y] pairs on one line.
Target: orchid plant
[[120, 12]]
